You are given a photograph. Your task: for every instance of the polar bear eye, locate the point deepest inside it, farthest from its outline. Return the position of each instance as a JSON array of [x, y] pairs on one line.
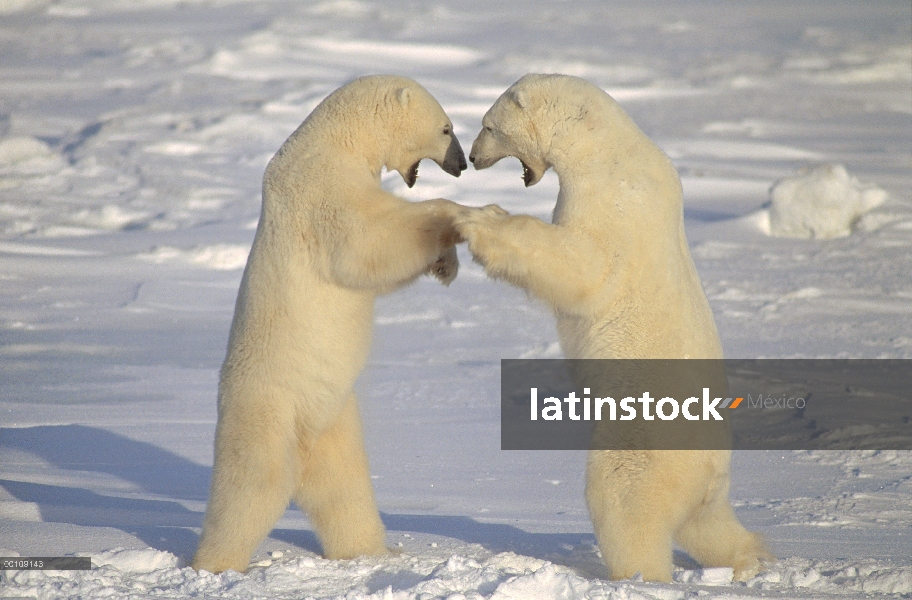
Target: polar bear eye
[[446, 130]]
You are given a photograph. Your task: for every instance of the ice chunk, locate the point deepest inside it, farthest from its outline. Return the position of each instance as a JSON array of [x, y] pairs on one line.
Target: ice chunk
[[820, 203]]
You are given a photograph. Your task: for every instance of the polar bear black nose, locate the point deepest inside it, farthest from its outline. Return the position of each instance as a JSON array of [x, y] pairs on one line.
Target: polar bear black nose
[[472, 158]]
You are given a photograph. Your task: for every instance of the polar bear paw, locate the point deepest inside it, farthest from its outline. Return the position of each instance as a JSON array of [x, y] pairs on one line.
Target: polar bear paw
[[479, 227], [752, 559], [446, 266]]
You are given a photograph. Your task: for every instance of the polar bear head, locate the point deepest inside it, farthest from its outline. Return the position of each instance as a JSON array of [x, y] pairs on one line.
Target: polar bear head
[[394, 122], [424, 131], [538, 117]]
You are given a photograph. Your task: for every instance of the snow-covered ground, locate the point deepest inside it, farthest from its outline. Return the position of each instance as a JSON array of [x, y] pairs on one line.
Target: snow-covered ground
[[133, 135]]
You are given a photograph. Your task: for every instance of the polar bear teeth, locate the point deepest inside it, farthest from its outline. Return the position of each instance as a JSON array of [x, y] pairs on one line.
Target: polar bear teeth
[[412, 175], [527, 173]]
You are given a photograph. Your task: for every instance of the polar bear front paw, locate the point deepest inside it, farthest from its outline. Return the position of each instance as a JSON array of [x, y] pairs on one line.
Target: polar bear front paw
[[446, 266], [478, 226]]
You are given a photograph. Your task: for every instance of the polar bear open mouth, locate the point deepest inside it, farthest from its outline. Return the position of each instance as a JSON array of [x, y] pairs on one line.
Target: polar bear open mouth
[[528, 175], [412, 176]]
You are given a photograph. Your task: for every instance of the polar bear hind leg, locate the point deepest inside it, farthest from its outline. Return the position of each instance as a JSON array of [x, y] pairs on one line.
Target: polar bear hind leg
[[335, 490], [634, 512], [249, 492], [715, 538]]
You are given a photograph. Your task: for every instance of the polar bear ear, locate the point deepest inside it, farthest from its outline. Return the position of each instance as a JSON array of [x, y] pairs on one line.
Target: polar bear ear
[[402, 95], [521, 98]]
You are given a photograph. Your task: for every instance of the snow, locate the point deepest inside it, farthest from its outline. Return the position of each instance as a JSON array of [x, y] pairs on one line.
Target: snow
[[506, 576], [224, 257], [133, 136]]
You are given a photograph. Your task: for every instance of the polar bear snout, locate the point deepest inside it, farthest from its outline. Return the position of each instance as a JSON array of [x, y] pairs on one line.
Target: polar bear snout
[[454, 161], [485, 151]]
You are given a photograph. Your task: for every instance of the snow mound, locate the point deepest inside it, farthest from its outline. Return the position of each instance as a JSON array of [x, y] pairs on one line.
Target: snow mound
[[220, 257], [27, 156], [135, 561], [8, 7], [111, 217], [823, 202], [547, 583], [711, 576]]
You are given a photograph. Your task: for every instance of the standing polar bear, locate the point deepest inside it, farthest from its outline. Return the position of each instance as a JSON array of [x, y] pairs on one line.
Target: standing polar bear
[[615, 268], [329, 240]]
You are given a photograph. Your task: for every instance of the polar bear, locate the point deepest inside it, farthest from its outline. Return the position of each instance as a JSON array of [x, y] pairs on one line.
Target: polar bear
[[614, 266], [329, 240]]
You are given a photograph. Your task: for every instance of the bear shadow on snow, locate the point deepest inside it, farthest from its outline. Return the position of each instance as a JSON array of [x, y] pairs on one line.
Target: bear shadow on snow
[[85, 448], [494, 537], [168, 525], [162, 524]]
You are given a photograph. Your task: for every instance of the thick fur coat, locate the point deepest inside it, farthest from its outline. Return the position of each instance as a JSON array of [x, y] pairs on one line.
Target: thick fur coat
[[615, 268], [329, 240]]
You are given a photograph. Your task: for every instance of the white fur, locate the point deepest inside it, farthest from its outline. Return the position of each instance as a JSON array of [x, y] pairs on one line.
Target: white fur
[[328, 242], [614, 266]]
